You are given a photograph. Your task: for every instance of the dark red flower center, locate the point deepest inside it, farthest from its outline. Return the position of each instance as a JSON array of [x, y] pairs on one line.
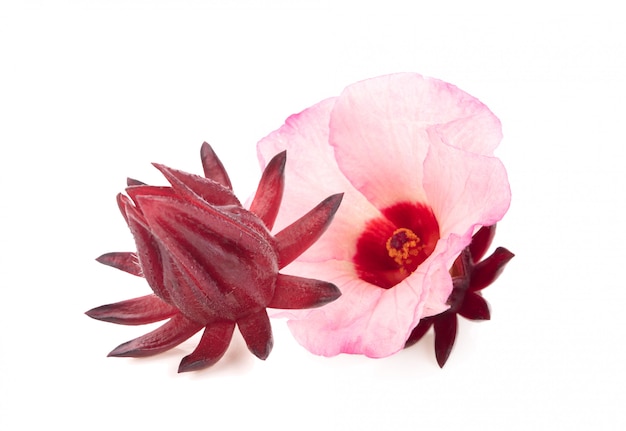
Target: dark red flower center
[[391, 247]]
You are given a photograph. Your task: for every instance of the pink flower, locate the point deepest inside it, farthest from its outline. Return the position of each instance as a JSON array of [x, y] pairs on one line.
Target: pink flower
[[414, 158], [211, 263]]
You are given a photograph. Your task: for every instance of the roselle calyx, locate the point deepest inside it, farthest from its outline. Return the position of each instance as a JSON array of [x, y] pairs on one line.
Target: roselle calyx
[[211, 263], [469, 277]]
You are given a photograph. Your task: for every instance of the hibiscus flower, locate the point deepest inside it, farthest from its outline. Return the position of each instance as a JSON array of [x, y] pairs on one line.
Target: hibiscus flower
[[414, 159]]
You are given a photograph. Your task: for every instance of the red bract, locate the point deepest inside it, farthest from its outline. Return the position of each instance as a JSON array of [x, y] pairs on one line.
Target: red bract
[[211, 263], [469, 277]]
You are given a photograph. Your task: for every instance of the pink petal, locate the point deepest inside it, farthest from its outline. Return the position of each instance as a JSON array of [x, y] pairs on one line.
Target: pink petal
[[311, 166], [379, 141], [476, 129], [381, 130], [465, 190], [365, 319]]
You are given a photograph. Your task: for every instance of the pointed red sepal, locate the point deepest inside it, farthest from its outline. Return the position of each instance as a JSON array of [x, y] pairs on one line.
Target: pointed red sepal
[[122, 202], [149, 251], [194, 186], [487, 271], [124, 261], [475, 307], [170, 334], [257, 331], [293, 292], [136, 311], [131, 182], [481, 242], [213, 344], [213, 167], [300, 235], [136, 191], [270, 191], [445, 334], [419, 331]]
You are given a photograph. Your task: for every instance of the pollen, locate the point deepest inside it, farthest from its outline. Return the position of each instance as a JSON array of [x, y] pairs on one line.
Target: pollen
[[403, 245]]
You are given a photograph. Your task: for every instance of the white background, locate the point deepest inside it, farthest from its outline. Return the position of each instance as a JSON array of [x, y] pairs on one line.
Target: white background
[[92, 92]]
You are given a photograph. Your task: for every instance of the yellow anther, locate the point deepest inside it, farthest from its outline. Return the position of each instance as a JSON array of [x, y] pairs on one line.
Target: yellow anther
[[402, 245]]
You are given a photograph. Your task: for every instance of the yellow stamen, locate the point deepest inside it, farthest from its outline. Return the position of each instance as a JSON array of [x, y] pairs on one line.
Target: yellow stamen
[[402, 245]]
